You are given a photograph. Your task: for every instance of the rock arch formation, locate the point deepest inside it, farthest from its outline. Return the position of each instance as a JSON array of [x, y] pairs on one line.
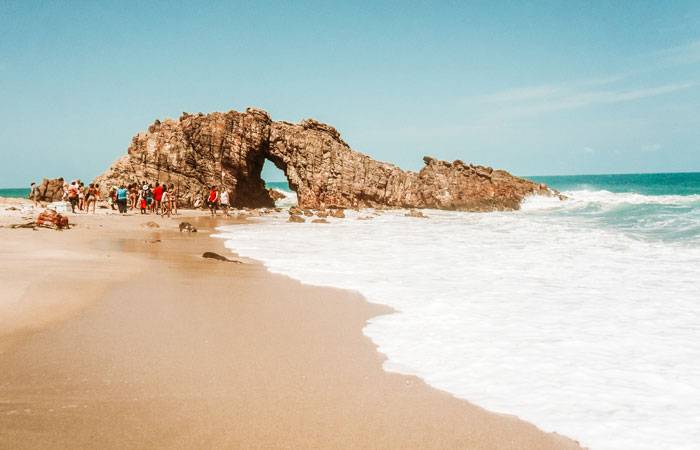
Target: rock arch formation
[[229, 149]]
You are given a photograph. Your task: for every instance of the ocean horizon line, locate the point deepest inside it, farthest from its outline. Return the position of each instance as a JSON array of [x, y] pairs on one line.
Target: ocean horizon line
[[610, 174], [521, 176]]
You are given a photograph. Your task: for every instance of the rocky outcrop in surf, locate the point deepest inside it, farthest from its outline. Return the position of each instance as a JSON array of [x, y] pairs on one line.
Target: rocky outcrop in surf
[[197, 151]]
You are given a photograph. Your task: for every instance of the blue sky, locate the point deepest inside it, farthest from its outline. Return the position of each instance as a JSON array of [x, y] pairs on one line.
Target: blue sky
[[536, 88]]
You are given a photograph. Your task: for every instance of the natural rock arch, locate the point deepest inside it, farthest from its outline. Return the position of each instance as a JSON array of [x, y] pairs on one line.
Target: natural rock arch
[[229, 150]]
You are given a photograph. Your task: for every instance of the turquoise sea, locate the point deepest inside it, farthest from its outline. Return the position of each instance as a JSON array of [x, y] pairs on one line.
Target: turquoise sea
[[15, 192], [655, 206], [281, 185], [643, 183], [658, 206]]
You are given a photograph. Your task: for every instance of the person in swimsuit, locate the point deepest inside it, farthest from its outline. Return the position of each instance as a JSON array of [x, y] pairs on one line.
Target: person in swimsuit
[[86, 197], [173, 197], [90, 197], [81, 196], [165, 201], [112, 197], [149, 198], [133, 196]]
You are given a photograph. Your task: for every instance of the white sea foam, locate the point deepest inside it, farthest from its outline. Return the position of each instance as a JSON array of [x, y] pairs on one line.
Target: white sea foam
[[584, 198], [616, 198], [581, 330], [290, 198]]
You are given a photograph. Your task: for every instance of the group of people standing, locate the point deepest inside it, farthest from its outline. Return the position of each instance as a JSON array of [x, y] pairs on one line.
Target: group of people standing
[[79, 196], [218, 199], [161, 199], [75, 193], [215, 200]]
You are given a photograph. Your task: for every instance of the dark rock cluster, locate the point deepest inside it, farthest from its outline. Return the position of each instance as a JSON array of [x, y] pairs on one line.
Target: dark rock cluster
[[50, 190]]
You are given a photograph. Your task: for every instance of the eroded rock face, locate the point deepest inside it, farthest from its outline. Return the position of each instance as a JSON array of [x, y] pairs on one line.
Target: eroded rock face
[[228, 150], [50, 190], [198, 151]]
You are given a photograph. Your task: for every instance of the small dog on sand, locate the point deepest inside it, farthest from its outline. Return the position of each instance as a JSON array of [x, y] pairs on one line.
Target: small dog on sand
[[186, 226]]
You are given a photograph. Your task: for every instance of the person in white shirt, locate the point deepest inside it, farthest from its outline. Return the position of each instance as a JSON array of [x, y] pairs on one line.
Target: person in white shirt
[[224, 201], [34, 193]]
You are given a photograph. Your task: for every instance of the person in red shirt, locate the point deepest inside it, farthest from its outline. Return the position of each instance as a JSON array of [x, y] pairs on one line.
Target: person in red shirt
[[213, 200], [158, 197]]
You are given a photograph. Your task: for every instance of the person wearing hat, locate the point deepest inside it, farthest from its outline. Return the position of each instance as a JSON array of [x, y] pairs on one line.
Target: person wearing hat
[[143, 195], [112, 196]]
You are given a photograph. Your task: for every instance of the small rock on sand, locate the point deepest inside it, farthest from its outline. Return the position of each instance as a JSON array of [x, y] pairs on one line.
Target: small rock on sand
[[216, 256], [414, 213], [337, 213], [186, 226]]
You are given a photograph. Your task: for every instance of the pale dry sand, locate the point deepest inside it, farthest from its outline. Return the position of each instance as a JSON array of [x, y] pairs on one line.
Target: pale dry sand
[[115, 336]]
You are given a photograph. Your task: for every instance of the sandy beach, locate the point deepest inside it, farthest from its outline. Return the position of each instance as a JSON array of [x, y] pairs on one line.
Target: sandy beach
[[114, 335]]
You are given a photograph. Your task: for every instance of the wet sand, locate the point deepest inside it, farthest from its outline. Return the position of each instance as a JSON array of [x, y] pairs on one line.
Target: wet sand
[[117, 336]]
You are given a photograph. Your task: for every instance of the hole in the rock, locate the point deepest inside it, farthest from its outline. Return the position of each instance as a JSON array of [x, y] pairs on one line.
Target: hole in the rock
[[273, 177]]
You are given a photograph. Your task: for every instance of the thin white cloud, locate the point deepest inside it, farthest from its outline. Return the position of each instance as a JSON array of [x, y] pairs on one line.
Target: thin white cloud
[[679, 55], [651, 147], [534, 100], [588, 150], [543, 91], [530, 100], [495, 109], [590, 98], [519, 94]]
